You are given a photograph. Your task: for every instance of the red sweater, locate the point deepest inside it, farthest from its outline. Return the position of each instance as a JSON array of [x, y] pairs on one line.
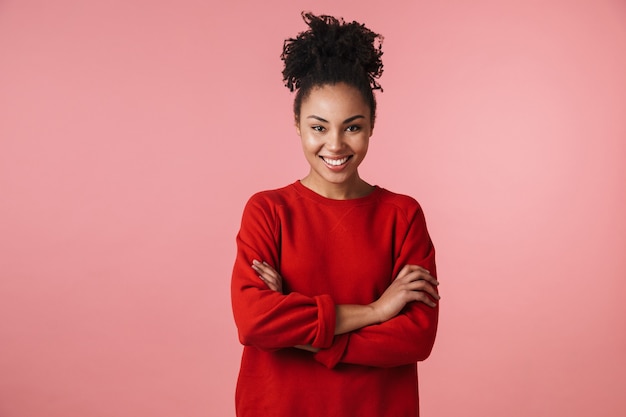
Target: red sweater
[[329, 252]]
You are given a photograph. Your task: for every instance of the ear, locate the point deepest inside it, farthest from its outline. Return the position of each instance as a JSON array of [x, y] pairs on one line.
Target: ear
[[297, 125]]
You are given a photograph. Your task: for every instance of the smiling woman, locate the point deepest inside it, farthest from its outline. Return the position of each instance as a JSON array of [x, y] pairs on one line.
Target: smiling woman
[[334, 313]]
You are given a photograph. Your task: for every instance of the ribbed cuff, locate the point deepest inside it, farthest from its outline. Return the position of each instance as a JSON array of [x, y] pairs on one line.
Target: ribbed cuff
[[326, 318], [330, 357]]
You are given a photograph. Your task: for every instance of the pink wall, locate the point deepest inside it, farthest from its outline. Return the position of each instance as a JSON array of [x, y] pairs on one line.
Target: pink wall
[[132, 133]]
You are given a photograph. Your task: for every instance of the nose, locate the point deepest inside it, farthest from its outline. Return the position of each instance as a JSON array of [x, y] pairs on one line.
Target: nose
[[334, 140]]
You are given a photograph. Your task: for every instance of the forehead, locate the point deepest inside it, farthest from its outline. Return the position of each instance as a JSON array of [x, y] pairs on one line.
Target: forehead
[[339, 100]]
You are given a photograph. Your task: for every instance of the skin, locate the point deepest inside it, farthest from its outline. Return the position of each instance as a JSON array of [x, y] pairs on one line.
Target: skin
[[334, 124]]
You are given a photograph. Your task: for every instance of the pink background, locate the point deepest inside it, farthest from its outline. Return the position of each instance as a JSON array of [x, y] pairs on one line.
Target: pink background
[[133, 132]]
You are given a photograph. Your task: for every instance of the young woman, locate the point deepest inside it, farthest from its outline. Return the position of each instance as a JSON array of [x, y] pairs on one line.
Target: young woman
[[334, 291]]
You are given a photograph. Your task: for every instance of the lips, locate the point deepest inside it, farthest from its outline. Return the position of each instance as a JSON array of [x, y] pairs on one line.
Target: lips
[[335, 162]]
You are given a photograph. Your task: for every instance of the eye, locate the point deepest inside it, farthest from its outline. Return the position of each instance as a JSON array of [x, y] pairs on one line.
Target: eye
[[353, 128], [318, 128]]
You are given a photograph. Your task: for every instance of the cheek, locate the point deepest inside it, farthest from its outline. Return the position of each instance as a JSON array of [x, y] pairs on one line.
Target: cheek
[[363, 145], [309, 144]]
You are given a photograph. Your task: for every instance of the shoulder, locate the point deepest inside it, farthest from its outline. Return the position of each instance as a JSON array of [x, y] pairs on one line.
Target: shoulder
[[400, 202], [268, 202], [274, 197], [408, 214], [261, 212]]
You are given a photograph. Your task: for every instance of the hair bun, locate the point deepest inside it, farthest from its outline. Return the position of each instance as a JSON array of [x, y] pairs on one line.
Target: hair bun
[[330, 44]]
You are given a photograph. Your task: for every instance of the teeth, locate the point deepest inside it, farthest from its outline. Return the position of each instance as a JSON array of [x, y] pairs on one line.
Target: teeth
[[335, 162]]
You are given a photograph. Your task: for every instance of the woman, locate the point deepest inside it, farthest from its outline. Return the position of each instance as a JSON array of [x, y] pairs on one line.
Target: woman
[[334, 290]]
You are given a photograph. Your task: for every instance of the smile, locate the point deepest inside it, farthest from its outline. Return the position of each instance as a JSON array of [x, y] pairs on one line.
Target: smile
[[336, 162]]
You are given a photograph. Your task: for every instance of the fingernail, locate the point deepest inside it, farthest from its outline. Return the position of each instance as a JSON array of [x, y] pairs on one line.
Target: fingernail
[[255, 262]]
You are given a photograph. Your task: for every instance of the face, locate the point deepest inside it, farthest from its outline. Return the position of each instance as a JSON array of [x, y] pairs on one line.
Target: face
[[335, 126]]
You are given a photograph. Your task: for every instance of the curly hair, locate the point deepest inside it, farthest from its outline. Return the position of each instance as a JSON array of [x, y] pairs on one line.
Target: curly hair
[[332, 51]]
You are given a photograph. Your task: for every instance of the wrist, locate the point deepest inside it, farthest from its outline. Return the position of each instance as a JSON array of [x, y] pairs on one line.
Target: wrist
[[351, 317], [376, 314]]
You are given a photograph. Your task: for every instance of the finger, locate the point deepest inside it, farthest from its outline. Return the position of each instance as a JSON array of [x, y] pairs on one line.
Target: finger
[[423, 298], [262, 265], [264, 275], [423, 286], [271, 283], [270, 279], [268, 275], [413, 267], [265, 268], [420, 274], [271, 286], [404, 271], [270, 270], [409, 268], [262, 270]]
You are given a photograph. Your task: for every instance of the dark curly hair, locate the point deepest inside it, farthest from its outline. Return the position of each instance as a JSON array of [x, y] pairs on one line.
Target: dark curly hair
[[332, 51]]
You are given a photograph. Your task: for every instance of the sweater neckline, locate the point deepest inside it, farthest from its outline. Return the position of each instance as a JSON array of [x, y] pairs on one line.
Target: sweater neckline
[[312, 195]]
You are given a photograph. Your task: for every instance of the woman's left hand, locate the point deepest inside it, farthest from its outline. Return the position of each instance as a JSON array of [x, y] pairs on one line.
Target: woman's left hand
[[275, 282], [268, 275]]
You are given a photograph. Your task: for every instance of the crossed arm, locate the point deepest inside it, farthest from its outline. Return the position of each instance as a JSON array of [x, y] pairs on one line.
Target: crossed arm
[[412, 284]]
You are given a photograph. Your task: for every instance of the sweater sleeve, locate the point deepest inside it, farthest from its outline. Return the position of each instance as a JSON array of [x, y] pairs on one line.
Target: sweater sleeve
[[265, 318], [408, 337]]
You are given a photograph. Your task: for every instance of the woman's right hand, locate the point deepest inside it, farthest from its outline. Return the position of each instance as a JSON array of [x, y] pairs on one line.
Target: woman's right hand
[[413, 283], [268, 275]]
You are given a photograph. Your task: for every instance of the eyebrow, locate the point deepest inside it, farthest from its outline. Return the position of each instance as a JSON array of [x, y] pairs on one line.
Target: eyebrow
[[348, 120]]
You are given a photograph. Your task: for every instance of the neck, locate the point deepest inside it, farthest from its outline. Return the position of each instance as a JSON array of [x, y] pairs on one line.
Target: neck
[[343, 191]]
